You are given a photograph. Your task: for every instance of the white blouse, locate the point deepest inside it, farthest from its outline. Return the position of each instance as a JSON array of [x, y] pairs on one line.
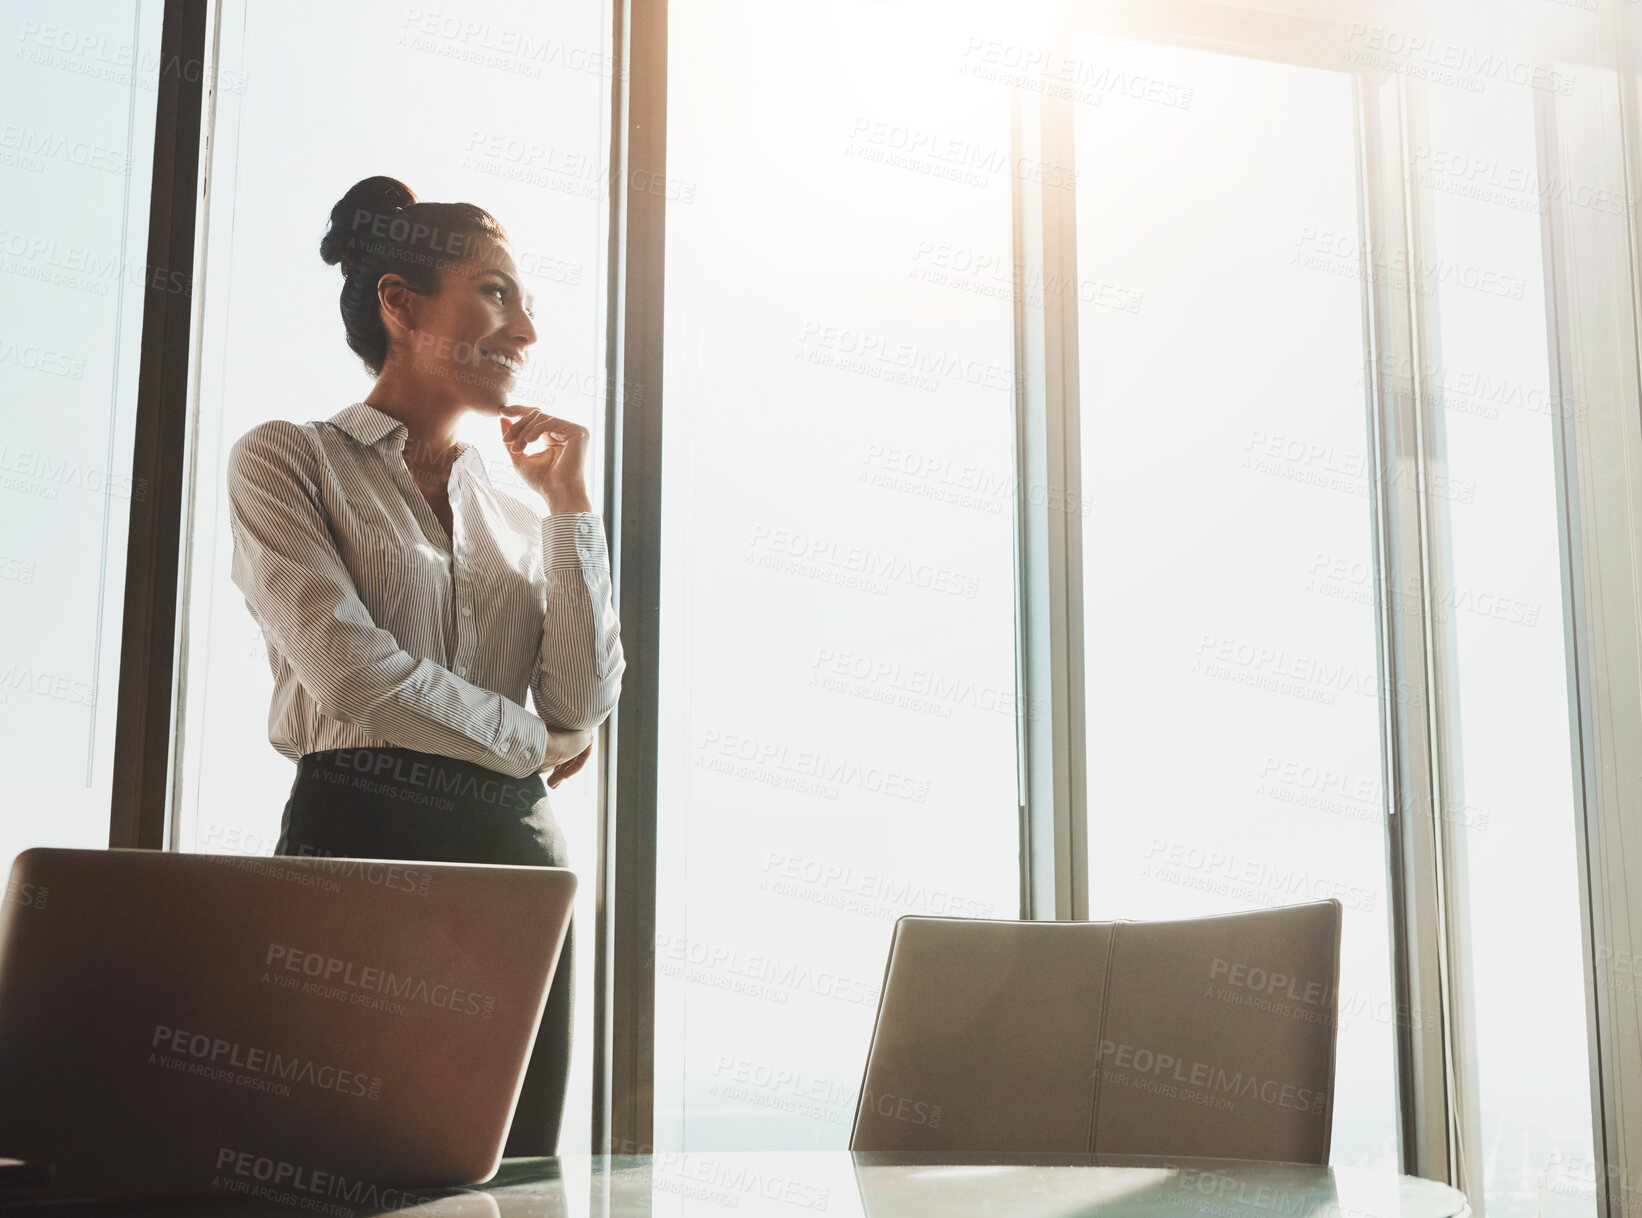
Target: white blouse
[[385, 631]]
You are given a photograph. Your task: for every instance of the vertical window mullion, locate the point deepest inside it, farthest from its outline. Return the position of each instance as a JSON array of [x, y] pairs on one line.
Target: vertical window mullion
[[1410, 649], [624, 964], [146, 720], [1048, 471]]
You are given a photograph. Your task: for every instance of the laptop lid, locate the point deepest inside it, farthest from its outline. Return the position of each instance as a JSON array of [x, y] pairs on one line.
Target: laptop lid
[[332, 1030]]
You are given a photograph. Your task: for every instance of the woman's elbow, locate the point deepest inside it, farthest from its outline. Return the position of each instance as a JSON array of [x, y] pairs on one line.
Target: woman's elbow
[[346, 697], [595, 707]]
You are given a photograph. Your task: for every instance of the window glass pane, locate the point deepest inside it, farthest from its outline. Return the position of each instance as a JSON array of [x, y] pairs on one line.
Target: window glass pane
[[1512, 822], [502, 105], [1232, 680], [837, 717], [76, 155]]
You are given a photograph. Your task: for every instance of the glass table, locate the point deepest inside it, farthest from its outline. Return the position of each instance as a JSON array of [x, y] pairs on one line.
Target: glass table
[[840, 1184]]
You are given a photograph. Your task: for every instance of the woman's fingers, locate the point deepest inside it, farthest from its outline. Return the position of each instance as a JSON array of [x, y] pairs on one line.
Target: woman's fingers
[[566, 768], [526, 416], [525, 430], [531, 432], [539, 421]]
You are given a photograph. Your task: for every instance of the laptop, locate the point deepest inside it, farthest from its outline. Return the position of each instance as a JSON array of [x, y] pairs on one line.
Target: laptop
[[319, 1031]]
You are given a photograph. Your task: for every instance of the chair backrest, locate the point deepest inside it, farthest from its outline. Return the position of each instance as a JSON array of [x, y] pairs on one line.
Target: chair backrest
[[1206, 1036]]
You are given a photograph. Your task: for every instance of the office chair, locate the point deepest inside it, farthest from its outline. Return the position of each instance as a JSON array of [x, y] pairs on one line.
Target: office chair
[[1201, 1037]]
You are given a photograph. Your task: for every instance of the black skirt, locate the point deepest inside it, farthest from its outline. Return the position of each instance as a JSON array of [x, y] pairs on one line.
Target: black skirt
[[391, 803]]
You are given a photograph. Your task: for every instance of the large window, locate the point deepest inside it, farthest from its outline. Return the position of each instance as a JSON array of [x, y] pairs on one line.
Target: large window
[[76, 152], [1228, 570], [838, 705], [505, 106], [1511, 817], [1317, 250]]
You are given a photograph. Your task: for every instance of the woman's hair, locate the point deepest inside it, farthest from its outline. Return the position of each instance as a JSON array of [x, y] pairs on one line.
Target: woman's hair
[[379, 228]]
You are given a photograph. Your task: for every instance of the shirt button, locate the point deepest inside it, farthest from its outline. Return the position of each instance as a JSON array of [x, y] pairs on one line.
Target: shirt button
[[461, 670], [467, 611]]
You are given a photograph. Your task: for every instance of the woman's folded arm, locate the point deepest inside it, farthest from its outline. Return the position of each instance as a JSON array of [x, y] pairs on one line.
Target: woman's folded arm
[[296, 585]]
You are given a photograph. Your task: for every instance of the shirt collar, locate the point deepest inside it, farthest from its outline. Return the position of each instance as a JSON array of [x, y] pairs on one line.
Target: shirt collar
[[371, 427]]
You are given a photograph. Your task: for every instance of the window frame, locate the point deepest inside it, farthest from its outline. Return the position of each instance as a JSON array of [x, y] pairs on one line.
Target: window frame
[[1436, 1069]]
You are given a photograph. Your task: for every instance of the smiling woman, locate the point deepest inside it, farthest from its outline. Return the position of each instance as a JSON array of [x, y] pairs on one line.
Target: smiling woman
[[392, 246], [273, 346], [406, 605]]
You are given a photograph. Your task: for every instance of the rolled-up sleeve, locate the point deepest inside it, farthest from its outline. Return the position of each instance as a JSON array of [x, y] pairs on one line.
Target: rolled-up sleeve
[[298, 589], [577, 676]]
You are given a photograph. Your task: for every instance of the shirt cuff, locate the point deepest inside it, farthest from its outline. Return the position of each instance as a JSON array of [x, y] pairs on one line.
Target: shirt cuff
[[523, 743], [574, 539]]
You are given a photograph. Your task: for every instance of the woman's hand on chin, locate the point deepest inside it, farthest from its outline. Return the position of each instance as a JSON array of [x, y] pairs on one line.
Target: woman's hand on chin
[[558, 471]]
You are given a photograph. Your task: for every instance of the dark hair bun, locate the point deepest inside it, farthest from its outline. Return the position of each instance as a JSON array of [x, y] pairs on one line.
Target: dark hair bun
[[355, 214], [381, 228]]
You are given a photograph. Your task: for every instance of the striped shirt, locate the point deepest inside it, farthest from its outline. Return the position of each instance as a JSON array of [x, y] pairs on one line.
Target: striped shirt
[[383, 630]]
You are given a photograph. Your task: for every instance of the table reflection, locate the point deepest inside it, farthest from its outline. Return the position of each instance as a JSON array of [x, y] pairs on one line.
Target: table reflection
[[896, 1185]]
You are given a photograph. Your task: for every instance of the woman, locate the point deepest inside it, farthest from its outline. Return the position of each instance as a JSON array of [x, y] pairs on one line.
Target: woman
[[407, 604]]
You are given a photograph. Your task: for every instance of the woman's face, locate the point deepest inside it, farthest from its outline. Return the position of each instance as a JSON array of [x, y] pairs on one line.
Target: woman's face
[[471, 337]]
